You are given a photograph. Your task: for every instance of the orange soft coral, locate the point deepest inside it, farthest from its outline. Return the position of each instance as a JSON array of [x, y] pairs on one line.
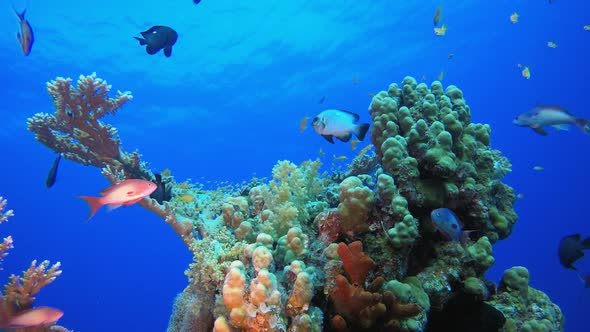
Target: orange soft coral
[[356, 262]]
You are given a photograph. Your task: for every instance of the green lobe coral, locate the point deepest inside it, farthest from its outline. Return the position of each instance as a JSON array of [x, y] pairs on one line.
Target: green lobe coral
[[425, 140]]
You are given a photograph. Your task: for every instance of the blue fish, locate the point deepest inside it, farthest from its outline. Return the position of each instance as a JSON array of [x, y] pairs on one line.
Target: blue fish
[[196, 1], [445, 221], [25, 36]]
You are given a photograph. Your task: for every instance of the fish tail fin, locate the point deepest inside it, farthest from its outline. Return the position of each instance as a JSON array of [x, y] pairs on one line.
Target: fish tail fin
[[21, 15], [583, 124], [586, 243], [361, 130], [94, 203], [141, 41]]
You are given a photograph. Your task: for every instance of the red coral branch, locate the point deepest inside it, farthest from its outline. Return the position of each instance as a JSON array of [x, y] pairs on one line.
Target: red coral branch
[[356, 262]]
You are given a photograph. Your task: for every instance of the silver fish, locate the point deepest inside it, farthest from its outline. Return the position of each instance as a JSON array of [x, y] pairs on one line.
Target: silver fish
[[340, 124], [554, 116]]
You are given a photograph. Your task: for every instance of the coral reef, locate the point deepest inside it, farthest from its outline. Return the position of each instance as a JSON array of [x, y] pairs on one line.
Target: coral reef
[[353, 250], [20, 291], [526, 309]]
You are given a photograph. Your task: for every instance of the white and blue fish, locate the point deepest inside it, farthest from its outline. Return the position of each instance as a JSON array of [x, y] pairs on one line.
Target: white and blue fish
[[554, 116], [340, 124]]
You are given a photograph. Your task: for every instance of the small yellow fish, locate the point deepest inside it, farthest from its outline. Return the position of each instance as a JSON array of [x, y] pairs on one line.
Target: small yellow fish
[[353, 144], [441, 31], [441, 75], [587, 27], [538, 168], [303, 124], [526, 73], [436, 17], [321, 153], [183, 185], [551, 44], [166, 172], [339, 158], [186, 198], [514, 18]]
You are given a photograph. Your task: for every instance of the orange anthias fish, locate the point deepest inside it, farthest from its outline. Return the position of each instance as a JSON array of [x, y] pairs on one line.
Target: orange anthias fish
[[25, 36], [436, 17], [303, 124], [514, 18], [551, 44], [126, 192], [36, 317]]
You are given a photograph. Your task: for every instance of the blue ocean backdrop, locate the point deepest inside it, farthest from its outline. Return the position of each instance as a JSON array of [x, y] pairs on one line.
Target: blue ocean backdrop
[[226, 106]]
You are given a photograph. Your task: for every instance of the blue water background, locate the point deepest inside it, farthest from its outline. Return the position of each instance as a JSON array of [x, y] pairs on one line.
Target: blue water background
[[228, 103]]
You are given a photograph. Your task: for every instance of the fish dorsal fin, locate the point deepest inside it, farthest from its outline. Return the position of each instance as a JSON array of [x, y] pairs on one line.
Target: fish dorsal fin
[[552, 108], [355, 116], [106, 191]]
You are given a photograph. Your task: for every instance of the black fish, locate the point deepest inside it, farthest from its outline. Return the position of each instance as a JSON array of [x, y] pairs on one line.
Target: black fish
[[570, 250], [321, 101], [196, 1], [163, 193], [158, 37], [52, 175]]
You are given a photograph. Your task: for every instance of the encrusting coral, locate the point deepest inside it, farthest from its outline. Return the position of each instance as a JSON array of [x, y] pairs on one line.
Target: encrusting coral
[[309, 251]]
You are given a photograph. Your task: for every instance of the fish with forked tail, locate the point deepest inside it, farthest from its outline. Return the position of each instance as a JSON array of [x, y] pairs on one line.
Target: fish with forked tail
[[25, 36], [570, 250], [340, 124], [125, 193], [554, 116], [158, 37]]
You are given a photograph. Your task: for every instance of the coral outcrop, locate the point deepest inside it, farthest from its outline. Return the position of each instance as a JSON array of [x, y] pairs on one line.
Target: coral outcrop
[[352, 250]]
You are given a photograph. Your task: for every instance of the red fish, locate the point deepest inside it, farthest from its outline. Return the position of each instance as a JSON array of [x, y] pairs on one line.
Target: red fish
[[126, 192], [25, 36], [36, 317]]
